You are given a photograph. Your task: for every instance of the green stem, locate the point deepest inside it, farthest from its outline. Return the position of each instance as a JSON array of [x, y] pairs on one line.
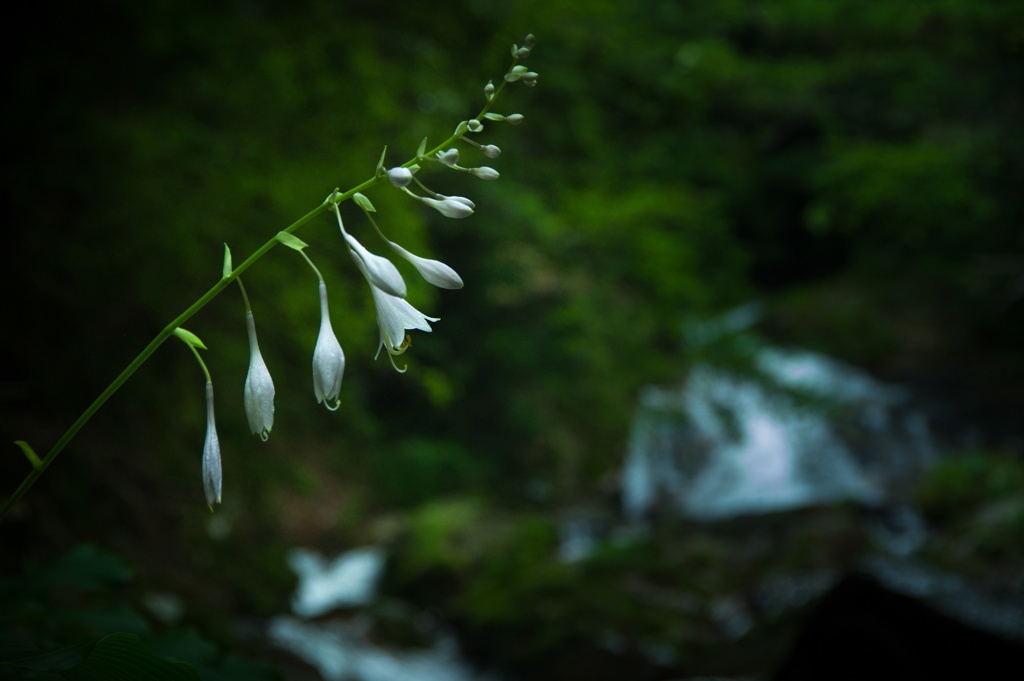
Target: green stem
[[214, 291], [148, 351]]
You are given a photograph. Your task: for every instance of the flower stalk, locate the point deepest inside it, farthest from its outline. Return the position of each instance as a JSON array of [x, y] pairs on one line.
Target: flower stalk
[[261, 401]]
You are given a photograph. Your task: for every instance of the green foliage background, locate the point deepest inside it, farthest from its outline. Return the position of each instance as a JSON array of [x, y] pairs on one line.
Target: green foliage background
[[856, 165]]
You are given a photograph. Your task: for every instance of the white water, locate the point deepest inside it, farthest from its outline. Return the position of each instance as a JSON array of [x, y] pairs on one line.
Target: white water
[[724, 445], [340, 648]]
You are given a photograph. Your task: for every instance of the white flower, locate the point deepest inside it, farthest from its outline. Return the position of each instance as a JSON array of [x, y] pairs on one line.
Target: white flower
[[434, 271], [450, 206], [400, 177], [328, 357], [379, 270], [259, 387], [491, 150], [394, 316], [212, 476]]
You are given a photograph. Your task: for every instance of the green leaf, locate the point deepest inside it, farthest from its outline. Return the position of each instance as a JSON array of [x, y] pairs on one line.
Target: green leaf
[[30, 453], [123, 657], [422, 149], [291, 241], [380, 163], [227, 262], [364, 203], [189, 338], [13, 656]]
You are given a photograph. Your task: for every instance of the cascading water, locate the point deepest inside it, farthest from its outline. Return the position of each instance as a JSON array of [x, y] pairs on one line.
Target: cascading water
[[800, 430]]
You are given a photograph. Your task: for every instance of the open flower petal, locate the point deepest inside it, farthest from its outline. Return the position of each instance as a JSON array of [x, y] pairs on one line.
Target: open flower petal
[[394, 317]]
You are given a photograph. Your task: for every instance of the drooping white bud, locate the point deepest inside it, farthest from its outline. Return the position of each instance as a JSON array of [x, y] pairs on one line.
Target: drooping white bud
[[259, 387], [490, 151], [328, 358], [515, 119], [212, 472]]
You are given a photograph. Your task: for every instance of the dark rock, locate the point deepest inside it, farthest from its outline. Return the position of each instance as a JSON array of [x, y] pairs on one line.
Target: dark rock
[[864, 630]]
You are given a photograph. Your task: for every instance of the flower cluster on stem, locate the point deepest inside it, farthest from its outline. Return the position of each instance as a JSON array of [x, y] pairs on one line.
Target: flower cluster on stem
[[395, 315]]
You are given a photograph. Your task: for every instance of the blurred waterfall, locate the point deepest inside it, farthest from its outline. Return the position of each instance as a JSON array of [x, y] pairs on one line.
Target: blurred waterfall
[[797, 430], [338, 643]]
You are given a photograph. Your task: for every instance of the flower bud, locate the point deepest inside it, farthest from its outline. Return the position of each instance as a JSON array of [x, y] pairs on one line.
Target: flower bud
[[529, 41], [433, 271], [515, 119], [529, 78], [484, 173], [490, 151], [451, 206], [474, 125], [450, 157], [259, 387], [328, 358], [212, 473], [489, 90], [515, 73], [381, 271], [400, 177]]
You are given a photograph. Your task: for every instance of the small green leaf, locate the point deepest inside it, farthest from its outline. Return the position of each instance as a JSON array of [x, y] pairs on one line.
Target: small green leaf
[[380, 163], [363, 202], [291, 241], [30, 453], [422, 149], [189, 338], [227, 262]]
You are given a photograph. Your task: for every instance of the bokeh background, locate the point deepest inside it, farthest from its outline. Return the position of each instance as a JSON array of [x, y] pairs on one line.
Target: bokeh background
[[855, 169]]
